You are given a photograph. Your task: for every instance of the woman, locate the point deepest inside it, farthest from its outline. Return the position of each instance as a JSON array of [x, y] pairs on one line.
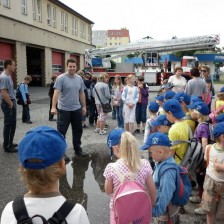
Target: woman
[[177, 80], [117, 89]]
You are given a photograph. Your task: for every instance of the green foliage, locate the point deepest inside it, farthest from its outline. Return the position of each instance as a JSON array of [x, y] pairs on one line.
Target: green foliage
[[184, 53]]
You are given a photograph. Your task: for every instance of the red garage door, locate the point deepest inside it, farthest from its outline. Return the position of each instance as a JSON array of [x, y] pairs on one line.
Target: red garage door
[[57, 62], [6, 51]]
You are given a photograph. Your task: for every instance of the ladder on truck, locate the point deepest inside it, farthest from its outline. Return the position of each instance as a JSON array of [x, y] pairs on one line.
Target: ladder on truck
[[145, 45]]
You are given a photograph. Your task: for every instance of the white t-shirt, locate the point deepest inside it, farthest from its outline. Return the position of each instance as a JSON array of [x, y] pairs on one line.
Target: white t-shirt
[[45, 207], [179, 83]]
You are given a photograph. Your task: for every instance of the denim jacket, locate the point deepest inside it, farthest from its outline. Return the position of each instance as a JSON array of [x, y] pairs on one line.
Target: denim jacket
[[164, 188]]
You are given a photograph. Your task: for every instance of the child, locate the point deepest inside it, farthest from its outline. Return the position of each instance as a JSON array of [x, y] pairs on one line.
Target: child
[[162, 124], [158, 145], [126, 148], [213, 195], [153, 108], [41, 155], [160, 100], [169, 95], [130, 98], [219, 103]]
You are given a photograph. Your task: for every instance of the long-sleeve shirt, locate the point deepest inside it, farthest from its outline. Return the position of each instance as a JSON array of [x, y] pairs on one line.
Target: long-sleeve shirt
[[165, 187], [24, 91]]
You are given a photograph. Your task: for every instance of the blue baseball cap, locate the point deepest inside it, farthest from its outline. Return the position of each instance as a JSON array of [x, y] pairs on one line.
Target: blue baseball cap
[[160, 97], [43, 143], [182, 97], [221, 90], [161, 120], [153, 107], [201, 107], [219, 118], [174, 107], [218, 129], [169, 95], [114, 138], [156, 138], [195, 99]]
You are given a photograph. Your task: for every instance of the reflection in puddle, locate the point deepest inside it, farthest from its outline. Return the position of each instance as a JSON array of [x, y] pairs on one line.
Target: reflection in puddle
[[84, 184]]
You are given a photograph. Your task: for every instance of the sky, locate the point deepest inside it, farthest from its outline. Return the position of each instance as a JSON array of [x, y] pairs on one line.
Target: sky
[[160, 19]]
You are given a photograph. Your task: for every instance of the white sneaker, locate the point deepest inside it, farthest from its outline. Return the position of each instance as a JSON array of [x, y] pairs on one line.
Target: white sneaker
[[97, 130], [200, 211], [103, 132], [195, 199]]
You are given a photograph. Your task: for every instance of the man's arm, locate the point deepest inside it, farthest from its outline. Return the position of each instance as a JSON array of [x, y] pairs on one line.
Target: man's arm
[[82, 98], [6, 98], [54, 101]]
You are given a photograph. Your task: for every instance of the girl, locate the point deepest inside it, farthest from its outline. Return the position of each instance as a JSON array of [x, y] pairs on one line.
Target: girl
[[126, 148], [130, 98], [117, 89], [213, 196]]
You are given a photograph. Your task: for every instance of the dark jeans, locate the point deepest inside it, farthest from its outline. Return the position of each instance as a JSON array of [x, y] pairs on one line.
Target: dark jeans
[[140, 113], [26, 113], [114, 112], [65, 118], [120, 120], [92, 113], [9, 123]]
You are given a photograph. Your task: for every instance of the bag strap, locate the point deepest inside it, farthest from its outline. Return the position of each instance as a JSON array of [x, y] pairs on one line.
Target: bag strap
[[98, 95], [60, 215], [19, 210]]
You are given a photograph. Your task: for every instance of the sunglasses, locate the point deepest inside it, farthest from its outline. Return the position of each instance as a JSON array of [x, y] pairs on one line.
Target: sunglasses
[[203, 71]]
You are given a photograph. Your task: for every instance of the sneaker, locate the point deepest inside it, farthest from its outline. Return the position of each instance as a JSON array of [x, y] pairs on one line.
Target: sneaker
[[97, 130], [200, 211], [84, 126], [181, 210], [105, 129], [195, 199], [103, 132], [106, 125], [137, 131]]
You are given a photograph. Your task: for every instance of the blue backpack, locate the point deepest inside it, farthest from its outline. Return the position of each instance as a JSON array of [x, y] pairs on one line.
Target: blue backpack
[[183, 185]]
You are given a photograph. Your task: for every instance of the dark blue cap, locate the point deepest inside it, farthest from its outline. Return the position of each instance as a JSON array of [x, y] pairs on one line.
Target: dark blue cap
[[169, 95], [219, 118], [160, 97], [161, 120], [218, 129], [182, 97], [153, 107], [174, 107], [201, 107]]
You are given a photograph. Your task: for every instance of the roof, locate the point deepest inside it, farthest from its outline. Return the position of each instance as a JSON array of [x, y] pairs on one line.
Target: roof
[[62, 5], [118, 33]]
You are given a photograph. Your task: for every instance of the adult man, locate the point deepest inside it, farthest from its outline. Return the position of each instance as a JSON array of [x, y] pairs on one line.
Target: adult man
[[8, 106], [69, 93]]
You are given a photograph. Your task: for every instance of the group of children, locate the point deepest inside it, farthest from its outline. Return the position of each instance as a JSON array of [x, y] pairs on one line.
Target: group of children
[[181, 117]]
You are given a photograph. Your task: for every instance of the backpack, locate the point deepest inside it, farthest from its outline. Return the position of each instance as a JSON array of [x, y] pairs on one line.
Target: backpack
[[183, 185], [22, 216], [131, 202], [18, 93], [212, 138]]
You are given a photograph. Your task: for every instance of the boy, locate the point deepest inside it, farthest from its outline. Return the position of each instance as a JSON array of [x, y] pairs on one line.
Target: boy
[[160, 100], [158, 145], [162, 124], [41, 155]]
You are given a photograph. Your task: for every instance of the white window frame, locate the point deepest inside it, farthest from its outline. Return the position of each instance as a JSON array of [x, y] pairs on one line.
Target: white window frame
[[66, 22], [39, 11], [23, 6], [89, 33], [49, 20], [34, 9], [82, 30], [6, 3], [53, 16], [74, 26]]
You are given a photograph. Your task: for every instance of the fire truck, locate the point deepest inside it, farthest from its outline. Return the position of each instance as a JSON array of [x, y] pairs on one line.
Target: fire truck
[[148, 52]]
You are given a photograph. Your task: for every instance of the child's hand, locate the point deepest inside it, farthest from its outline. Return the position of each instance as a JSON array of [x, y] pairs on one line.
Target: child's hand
[[219, 167]]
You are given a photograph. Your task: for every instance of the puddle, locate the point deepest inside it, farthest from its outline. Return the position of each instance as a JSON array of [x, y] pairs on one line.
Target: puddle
[[84, 183]]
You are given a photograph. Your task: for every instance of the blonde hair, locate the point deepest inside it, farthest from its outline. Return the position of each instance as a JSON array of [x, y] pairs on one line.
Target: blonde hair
[[206, 67], [220, 96], [130, 77], [80, 73], [201, 117], [28, 78], [38, 180], [115, 85], [129, 149], [102, 77]]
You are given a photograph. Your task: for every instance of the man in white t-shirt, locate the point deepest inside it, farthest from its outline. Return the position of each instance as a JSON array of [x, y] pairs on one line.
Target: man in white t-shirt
[[41, 155]]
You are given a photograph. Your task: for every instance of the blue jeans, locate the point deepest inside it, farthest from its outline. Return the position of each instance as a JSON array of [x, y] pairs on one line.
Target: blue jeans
[[9, 123], [120, 119], [64, 119], [140, 113]]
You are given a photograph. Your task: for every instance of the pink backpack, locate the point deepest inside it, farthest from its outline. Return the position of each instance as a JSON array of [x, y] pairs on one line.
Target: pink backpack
[[131, 202]]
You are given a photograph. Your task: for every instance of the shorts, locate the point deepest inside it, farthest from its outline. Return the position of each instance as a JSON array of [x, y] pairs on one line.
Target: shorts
[[101, 114], [129, 114], [213, 197]]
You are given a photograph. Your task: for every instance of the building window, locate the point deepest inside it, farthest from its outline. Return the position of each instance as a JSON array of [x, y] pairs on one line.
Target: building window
[[39, 11], [49, 14], [62, 21], [6, 3], [66, 22], [53, 16], [56, 68], [89, 33], [74, 26], [34, 9], [83, 30], [1, 66], [24, 7]]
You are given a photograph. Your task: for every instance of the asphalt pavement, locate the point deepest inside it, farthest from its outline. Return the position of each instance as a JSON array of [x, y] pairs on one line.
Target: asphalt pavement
[[84, 180]]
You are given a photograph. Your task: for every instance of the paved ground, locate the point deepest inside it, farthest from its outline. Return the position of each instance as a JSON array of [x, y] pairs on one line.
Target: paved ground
[[83, 181]]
